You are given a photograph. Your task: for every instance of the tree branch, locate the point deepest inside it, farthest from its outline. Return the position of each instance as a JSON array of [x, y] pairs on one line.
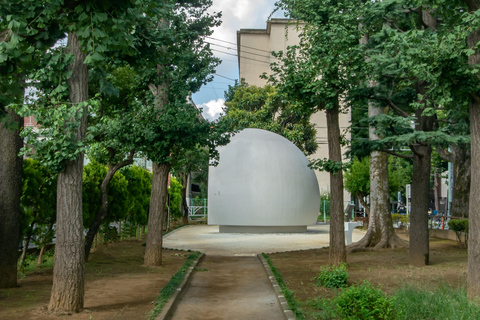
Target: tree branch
[[393, 153], [392, 23], [445, 154], [391, 104]]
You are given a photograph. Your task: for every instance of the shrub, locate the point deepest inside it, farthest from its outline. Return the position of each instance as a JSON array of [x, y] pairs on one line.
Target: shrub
[[459, 226], [364, 302], [333, 276], [442, 302]]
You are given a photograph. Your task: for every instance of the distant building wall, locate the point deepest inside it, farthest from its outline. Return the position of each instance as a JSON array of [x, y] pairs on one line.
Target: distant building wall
[[253, 47]]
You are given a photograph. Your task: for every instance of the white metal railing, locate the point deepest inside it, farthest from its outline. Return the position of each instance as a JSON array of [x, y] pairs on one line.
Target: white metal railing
[[197, 208]]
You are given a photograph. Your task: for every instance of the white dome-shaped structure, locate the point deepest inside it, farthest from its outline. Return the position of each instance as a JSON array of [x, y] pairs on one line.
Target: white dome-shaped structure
[[262, 184]]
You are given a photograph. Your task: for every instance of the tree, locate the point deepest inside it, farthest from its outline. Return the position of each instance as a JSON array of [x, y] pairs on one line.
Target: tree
[[264, 108], [21, 41], [357, 181], [318, 74], [99, 197], [193, 162], [61, 108], [38, 202], [139, 190], [474, 106], [415, 86], [172, 68]]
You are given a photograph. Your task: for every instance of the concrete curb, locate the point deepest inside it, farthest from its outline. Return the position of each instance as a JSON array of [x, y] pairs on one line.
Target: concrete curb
[[278, 291], [172, 303]]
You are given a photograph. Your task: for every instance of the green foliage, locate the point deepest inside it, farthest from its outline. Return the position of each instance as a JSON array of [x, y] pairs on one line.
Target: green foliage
[[93, 175], [460, 226], [139, 189], [402, 219], [442, 303], [172, 285], [365, 302], [333, 276], [289, 295], [38, 201], [175, 198], [30, 266], [109, 233], [357, 178], [264, 108]]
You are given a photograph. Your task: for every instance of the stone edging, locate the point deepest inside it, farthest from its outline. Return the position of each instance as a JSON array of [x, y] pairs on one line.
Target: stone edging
[[278, 291], [171, 305]]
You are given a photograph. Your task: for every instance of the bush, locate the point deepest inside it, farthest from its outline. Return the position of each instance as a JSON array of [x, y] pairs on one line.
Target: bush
[[364, 302], [403, 219], [459, 226], [333, 276]]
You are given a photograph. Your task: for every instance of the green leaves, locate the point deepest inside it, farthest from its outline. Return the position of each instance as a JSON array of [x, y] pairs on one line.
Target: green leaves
[[264, 108]]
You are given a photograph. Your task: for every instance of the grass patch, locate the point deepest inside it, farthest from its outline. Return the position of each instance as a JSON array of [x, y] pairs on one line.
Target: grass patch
[[30, 266], [443, 302], [333, 276], [172, 285], [289, 295]]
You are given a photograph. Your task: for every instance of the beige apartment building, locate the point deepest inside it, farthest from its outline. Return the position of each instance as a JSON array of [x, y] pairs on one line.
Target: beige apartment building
[[254, 58]]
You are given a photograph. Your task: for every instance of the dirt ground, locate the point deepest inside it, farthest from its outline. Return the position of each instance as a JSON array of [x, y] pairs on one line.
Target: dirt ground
[[117, 286], [385, 268]]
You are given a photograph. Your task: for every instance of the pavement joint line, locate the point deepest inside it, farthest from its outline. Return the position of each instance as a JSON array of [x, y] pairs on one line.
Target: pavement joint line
[[283, 302], [172, 303]]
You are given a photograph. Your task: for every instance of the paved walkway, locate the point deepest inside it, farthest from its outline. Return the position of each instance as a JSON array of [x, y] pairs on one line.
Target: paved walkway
[[233, 288], [208, 240], [230, 283]]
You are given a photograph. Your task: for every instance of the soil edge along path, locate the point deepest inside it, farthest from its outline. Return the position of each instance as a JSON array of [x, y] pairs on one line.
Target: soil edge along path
[[226, 287]]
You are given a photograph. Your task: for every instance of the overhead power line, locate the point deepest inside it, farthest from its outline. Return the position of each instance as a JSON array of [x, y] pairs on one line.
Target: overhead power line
[[224, 77], [240, 45], [235, 55], [230, 48]]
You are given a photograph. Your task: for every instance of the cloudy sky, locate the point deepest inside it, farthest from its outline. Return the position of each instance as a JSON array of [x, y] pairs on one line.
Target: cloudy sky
[[236, 15]]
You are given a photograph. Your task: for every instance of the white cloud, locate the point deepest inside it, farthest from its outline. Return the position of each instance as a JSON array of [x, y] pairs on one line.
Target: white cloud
[[213, 109]]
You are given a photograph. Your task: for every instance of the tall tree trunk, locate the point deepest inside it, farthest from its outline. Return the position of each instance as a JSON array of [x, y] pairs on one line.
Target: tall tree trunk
[[337, 253], [422, 156], [184, 205], [10, 193], [460, 157], [436, 190], [67, 293], [42, 250], [473, 280], [27, 242], [156, 215], [461, 186], [102, 212], [419, 242], [380, 233]]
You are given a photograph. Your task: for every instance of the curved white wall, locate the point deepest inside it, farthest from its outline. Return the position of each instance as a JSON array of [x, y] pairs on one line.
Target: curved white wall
[[262, 180]]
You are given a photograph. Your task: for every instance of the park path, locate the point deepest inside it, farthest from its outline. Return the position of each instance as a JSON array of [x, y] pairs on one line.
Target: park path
[[229, 287]]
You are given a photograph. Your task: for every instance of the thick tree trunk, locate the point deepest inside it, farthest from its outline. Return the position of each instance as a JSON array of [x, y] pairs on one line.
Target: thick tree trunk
[[67, 293], [419, 242], [102, 212], [156, 216], [337, 253], [10, 193], [380, 233], [473, 280]]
